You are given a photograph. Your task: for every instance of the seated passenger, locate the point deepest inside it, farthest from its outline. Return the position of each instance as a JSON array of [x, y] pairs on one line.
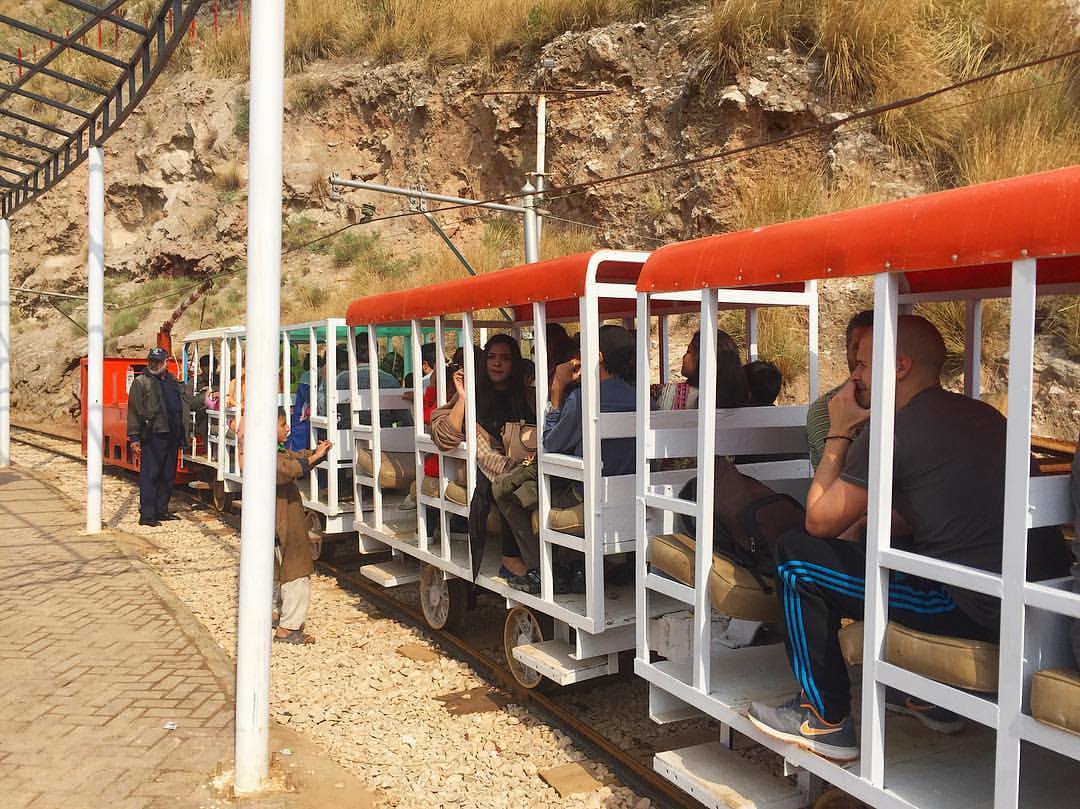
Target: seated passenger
[[387, 418], [764, 381], [501, 400], [948, 485], [300, 424], [732, 389], [563, 434], [817, 417], [427, 366]]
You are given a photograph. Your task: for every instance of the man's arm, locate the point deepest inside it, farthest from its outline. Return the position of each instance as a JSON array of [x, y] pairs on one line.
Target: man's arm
[[562, 427], [134, 412], [833, 505]]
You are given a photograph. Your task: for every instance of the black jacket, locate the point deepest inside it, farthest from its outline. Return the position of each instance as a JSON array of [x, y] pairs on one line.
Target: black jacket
[[146, 413]]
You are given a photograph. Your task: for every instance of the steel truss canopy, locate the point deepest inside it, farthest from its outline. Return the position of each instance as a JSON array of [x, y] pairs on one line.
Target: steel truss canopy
[[70, 78]]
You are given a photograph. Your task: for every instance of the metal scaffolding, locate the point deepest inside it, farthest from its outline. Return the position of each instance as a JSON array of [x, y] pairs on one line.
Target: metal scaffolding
[[77, 87]]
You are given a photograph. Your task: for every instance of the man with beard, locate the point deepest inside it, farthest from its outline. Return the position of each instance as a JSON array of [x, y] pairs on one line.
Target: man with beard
[[817, 416], [158, 419], [948, 486]]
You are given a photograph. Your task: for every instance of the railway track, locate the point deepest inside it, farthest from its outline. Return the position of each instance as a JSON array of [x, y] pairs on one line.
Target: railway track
[[636, 775]]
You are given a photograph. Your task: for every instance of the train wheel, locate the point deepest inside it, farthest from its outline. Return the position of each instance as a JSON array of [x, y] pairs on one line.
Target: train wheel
[[221, 499], [315, 534], [837, 799], [521, 628], [442, 600]]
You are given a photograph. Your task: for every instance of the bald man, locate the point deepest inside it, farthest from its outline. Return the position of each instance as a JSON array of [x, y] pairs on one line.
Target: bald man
[[948, 486]]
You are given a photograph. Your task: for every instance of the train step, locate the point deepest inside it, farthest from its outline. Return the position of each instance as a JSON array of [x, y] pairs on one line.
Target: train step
[[552, 659], [720, 778], [392, 573]]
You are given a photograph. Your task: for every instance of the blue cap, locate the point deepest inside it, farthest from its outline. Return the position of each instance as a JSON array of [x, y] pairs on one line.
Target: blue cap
[[158, 355]]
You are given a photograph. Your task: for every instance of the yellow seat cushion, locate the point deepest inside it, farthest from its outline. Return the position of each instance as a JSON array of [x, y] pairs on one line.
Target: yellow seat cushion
[[455, 492], [568, 520], [397, 470], [959, 662], [1055, 698], [733, 590]]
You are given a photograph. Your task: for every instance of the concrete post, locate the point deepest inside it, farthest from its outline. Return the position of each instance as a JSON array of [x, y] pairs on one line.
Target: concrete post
[[5, 343], [95, 336], [260, 397]]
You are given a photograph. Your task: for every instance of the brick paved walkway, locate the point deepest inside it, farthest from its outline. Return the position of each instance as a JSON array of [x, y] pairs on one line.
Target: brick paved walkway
[[95, 657]]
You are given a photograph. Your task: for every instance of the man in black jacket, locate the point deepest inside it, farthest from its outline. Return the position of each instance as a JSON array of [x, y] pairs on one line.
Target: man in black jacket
[[158, 420]]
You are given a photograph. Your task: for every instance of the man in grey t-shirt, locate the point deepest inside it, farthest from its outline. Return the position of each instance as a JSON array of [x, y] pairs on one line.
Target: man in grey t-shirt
[[948, 487]]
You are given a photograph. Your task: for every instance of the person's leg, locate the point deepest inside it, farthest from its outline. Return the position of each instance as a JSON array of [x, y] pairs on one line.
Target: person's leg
[[149, 472], [168, 476], [819, 582], [521, 549], [295, 598]]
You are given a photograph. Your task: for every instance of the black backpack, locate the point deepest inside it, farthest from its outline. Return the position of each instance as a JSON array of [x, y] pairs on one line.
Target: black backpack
[[748, 519]]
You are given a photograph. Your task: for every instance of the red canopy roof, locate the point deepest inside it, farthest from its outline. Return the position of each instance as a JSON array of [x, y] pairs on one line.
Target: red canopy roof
[[969, 235], [559, 279]]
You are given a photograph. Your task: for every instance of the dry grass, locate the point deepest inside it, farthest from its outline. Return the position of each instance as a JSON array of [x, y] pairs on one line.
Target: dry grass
[[737, 30], [228, 53], [436, 33], [1063, 319], [784, 196], [308, 94], [873, 52], [1023, 123], [228, 177]]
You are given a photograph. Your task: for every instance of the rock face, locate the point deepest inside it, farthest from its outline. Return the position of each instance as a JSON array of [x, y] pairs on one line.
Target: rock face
[[176, 172]]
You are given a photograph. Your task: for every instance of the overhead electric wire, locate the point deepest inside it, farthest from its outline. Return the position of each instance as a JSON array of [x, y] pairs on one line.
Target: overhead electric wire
[[575, 189]]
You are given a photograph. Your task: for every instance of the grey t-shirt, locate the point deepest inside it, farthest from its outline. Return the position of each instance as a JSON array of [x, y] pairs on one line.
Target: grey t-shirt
[[949, 485]]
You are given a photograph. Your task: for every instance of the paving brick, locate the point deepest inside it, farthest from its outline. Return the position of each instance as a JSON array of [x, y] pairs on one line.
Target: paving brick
[[94, 663]]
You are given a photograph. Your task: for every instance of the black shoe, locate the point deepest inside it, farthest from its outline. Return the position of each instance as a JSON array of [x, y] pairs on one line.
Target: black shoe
[[529, 583], [167, 516], [149, 523]]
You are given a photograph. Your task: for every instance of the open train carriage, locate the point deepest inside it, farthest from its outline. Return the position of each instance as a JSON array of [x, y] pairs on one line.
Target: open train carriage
[[311, 381], [1016, 239], [590, 627]]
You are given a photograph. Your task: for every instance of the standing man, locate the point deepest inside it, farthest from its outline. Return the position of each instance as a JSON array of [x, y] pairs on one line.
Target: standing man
[[158, 419]]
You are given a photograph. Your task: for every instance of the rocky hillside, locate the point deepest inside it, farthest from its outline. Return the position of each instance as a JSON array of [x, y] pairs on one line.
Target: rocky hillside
[[175, 180]]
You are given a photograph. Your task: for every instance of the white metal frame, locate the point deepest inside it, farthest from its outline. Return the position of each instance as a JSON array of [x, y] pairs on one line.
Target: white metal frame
[[948, 772]]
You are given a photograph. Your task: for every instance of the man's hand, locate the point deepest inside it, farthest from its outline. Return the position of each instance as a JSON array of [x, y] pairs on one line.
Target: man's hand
[[136, 449], [566, 374], [845, 414]]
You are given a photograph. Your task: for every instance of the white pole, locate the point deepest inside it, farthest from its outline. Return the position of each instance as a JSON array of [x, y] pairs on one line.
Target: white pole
[[532, 237], [541, 161], [5, 343], [95, 337], [260, 409]]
